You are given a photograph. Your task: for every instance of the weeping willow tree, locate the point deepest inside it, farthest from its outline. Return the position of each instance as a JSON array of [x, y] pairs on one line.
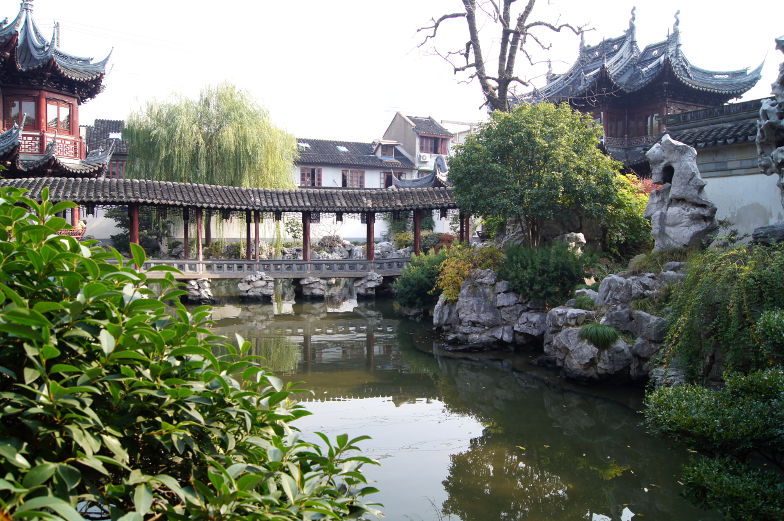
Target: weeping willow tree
[[223, 138]]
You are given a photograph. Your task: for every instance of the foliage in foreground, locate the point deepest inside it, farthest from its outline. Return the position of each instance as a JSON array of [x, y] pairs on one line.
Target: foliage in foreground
[[716, 308], [116, 406], [416, 286], [548, 274], [541, 163], [460, 261], [732, 429]]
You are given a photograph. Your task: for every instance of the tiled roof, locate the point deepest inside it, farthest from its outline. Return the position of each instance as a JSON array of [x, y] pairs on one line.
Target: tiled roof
[[326, 152], [726, 125], [25, 49], [49, 163], [618, 64], [428, 126], [124, 191], [97, 135]]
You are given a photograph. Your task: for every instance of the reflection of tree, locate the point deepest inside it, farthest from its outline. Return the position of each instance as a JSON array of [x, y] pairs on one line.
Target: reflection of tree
[[280, 354], [492, 481]]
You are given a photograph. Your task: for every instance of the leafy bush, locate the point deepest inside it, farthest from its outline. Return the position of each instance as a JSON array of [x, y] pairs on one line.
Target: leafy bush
[[627, 232], [416, 286], [584, 302], [715, 309], [734, 428], [548, 274], [770, 330], [599, 335], [117, 405], [403, 240], [460, 261], [430, 241], [653, 262]]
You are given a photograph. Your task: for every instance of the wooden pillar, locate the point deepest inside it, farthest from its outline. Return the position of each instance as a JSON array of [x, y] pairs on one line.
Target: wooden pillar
[[467, 228], [461, 233], [256, 221], [41, 120], [199, 226], [75, 216], [186, 236], [417, 232], [370, 246], [248, 248], [133, 216], [306, 236]]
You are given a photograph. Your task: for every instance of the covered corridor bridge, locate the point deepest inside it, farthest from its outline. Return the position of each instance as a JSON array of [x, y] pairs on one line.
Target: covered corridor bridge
[[193, 199]]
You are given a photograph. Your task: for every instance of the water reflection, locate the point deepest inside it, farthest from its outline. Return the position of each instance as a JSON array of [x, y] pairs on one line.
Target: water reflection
[[465, 440]]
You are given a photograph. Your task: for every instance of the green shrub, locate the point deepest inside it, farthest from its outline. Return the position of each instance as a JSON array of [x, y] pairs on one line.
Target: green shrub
[[120, 402], [548, 274], [733, 428], [770, 330], [627, 232], [430, 241], [460, 261], [715, 309], [584, 302], [403, 240], [603, 337], [416, 286], [653, 262]]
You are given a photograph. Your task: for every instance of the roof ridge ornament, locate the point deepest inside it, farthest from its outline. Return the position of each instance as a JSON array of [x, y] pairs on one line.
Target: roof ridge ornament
[[27, 5], [632, 26]]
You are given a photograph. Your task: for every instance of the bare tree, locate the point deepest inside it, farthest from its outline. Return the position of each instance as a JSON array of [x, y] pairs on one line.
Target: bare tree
[[518, 33]]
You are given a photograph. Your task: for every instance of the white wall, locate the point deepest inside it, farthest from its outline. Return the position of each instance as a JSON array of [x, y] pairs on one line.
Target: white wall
[[747, 201]]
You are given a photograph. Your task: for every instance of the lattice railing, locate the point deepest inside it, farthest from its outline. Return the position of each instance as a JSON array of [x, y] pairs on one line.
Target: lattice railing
[[284, 268]]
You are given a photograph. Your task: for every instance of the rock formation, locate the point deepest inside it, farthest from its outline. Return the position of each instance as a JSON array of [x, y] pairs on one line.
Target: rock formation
[[258, 286], [770, 129], [199, 292], [366, 286], [313, 287], [680, 216]]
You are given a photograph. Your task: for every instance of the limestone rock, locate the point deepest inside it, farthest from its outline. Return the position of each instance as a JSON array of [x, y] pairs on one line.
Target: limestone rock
[[770, 127], [674, 266], [575, 241], [366, 286], [256, 286], [532, 323], [313, 287], [582, 360], [614, 291], [593, 295], [444, 314], [199, 292], [680, 216], [768, 234]]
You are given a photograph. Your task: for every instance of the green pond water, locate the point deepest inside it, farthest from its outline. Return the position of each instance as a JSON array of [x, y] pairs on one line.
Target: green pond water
[[471, 440]]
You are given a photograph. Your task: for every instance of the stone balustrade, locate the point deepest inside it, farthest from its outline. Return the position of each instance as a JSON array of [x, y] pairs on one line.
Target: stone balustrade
[[281, 269]]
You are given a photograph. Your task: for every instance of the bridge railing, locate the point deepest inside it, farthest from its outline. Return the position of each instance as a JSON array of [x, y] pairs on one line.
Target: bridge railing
[[284, 269]]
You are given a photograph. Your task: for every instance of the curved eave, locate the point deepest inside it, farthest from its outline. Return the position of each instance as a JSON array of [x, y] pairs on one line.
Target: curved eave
[[735, 85]]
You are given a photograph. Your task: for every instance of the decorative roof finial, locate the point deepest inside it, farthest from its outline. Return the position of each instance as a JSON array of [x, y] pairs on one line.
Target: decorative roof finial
[[582, 41], [677, 21], [27, 5], [633, 18], [56, 35]]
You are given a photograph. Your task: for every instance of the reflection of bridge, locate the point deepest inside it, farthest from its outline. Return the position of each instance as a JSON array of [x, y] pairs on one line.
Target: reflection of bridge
[[281, 269]]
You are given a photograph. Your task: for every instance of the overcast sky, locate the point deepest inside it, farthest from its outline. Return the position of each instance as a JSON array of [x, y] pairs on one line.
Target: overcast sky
[[340, 69]]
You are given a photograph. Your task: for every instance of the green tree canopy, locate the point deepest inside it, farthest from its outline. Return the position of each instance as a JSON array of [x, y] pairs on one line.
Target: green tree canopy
[[223, 137], [537, 163]]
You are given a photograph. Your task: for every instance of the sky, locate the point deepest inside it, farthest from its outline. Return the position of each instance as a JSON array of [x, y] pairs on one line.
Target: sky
[[340, 69]]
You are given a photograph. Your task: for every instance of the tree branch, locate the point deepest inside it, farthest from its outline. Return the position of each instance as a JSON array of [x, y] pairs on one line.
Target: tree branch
[[436, 24]]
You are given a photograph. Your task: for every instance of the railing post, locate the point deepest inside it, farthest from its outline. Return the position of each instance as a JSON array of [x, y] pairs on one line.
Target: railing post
[[256, 221], [306, 236], [248, 248], [199, 252], [186, 239]]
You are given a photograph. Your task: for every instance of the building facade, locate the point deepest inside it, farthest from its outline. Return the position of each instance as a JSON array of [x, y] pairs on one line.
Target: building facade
[[631, 91], [422, 140], [41, 90]]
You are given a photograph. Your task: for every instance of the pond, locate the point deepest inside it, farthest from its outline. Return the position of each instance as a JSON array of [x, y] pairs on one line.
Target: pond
[[459, 439]]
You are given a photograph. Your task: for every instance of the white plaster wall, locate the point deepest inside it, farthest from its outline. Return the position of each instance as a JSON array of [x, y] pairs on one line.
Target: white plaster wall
[[99, 226], [747, 201], [332, 176]]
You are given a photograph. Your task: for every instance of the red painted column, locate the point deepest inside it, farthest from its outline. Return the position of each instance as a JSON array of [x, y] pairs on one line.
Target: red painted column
[[370, 246], [417, 232], [199, 226], [41, 119], [248, 248], [75, 216], [186, 236], [306, 236], [256, 233], [133, 216]]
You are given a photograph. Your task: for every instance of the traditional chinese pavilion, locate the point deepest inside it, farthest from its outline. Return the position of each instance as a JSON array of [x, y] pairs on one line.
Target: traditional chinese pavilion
[[629, 91], [42, 88]]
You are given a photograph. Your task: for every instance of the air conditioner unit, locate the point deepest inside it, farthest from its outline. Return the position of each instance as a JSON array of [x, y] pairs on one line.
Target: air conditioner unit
[[424, 158]]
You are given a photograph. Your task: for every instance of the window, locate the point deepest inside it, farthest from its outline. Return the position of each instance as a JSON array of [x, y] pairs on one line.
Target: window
[[432, 145], [58, 115], [353, 179], [116, 169], [16, 107], [309, 176], [387, 150], [387, 179]]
